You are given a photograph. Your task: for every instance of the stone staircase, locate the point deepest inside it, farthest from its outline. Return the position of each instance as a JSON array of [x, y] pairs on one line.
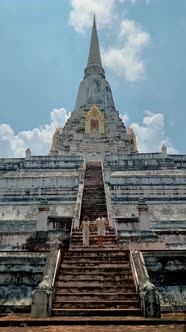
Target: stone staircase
[[95, 281], [94, 200]]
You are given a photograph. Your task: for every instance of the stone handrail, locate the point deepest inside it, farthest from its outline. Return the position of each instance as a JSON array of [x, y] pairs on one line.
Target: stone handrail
[[134, 272], [148, 294], [77, 214], [42, 296], [111, 220], [71, 230], [58, 260]]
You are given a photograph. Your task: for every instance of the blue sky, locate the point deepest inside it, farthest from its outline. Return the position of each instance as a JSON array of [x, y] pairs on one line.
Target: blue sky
[[44, 48]]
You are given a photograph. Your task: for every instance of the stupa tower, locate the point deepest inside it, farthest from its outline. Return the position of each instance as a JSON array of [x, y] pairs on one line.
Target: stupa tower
[[94, 127]]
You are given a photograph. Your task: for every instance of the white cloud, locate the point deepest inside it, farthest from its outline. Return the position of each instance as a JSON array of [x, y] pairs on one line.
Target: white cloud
[[59, 116], [124, 118], [81, 15], [151, 136], [126, 59], [38, 139], [82, 11]]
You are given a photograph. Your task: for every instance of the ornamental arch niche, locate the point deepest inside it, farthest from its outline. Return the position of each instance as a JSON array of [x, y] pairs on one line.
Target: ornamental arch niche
[[94, 121]]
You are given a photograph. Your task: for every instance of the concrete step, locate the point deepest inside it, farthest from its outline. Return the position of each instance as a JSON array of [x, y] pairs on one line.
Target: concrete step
[[96, 312], [95, 259], [114, 248], [92, 270], [106, 242], [93, 202], [82, 289], [96, 254], [93, 235], [99, 196], [94, 239], [93, 231], [95, 304], [90, 190], [107, 232], [93, 191], [95, 265], [127, 283], [91, 194], [93, 215], [79, 246], [94, 208], [95, 188], [107, 238], [62, 297], [94, 243], [101, 279], [112, 280]]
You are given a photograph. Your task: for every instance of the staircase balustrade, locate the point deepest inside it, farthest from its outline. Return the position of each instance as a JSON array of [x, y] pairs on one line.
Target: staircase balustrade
[[111, 221], [42, 296], [148, 294], [77, 214]]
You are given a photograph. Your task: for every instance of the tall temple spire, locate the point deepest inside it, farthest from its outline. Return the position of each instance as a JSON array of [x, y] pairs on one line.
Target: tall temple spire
[[94, 52], [94, 64], [94, 127]]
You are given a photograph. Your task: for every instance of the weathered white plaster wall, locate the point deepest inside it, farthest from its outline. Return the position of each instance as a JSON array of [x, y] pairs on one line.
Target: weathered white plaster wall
[[13, 239], [30, 212], [38, 180], [157, 213]]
